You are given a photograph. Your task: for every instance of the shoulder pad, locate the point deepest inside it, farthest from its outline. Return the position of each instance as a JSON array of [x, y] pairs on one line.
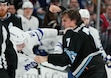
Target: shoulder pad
[[14, 15], [86, 30], [17, 16]]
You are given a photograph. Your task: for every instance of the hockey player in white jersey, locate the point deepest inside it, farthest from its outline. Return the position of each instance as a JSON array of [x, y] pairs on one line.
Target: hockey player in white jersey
[[85, 15], [31, 43], [41, 37]]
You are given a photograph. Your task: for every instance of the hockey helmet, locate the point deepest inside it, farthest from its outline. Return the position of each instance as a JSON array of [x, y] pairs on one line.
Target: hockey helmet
[[84, 13], [27, 4], [17, 35]]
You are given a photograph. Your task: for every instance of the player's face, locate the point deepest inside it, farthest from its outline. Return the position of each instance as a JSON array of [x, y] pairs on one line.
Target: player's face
[[67, 22], [12, 9], [86, 21], [20, 47], [3, 9], [28, 11], [74, 4]]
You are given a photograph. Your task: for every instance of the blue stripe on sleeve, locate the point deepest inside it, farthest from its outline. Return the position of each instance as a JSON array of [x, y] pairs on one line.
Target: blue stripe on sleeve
[[71, 55]]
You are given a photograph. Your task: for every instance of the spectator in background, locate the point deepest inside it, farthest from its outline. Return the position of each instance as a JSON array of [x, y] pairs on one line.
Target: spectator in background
[[106, 2], [106, 40], [73, 4], [12, 9], [81, 3], [52, 17], [41, 10], [29, 22], [92, 10], [106, 29], [106, 19]]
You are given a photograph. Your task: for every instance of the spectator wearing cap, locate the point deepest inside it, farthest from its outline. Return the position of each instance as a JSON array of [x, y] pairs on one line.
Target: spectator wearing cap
[[106, 40], [106, 19], [29, 22]]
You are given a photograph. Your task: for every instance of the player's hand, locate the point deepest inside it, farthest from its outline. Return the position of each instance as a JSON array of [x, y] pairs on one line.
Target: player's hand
[[40, 59]]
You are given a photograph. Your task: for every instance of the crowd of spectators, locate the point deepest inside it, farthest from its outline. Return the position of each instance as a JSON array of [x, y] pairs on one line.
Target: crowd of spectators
[[41, 7]]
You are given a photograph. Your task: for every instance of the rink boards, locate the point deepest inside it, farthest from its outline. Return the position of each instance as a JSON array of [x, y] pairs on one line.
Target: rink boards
[[50, 72]]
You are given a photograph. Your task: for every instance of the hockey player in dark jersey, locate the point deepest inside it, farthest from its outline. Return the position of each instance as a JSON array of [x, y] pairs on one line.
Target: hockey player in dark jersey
[[80, 51]]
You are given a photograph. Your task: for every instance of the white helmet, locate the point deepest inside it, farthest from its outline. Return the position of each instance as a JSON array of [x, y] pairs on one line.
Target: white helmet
[[84, 13], [27, 4], [17, 35]]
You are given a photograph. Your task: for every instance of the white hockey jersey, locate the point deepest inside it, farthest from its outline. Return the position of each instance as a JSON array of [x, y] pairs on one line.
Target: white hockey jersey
[[29, 24], [95, 34], [25, 63]]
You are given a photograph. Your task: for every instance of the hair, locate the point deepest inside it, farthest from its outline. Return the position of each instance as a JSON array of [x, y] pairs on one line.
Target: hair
[[73, 15], [55, 1], [108, 5]]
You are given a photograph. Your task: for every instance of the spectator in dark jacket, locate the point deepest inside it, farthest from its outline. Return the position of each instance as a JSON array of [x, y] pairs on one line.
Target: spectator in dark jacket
[[52, 17]]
